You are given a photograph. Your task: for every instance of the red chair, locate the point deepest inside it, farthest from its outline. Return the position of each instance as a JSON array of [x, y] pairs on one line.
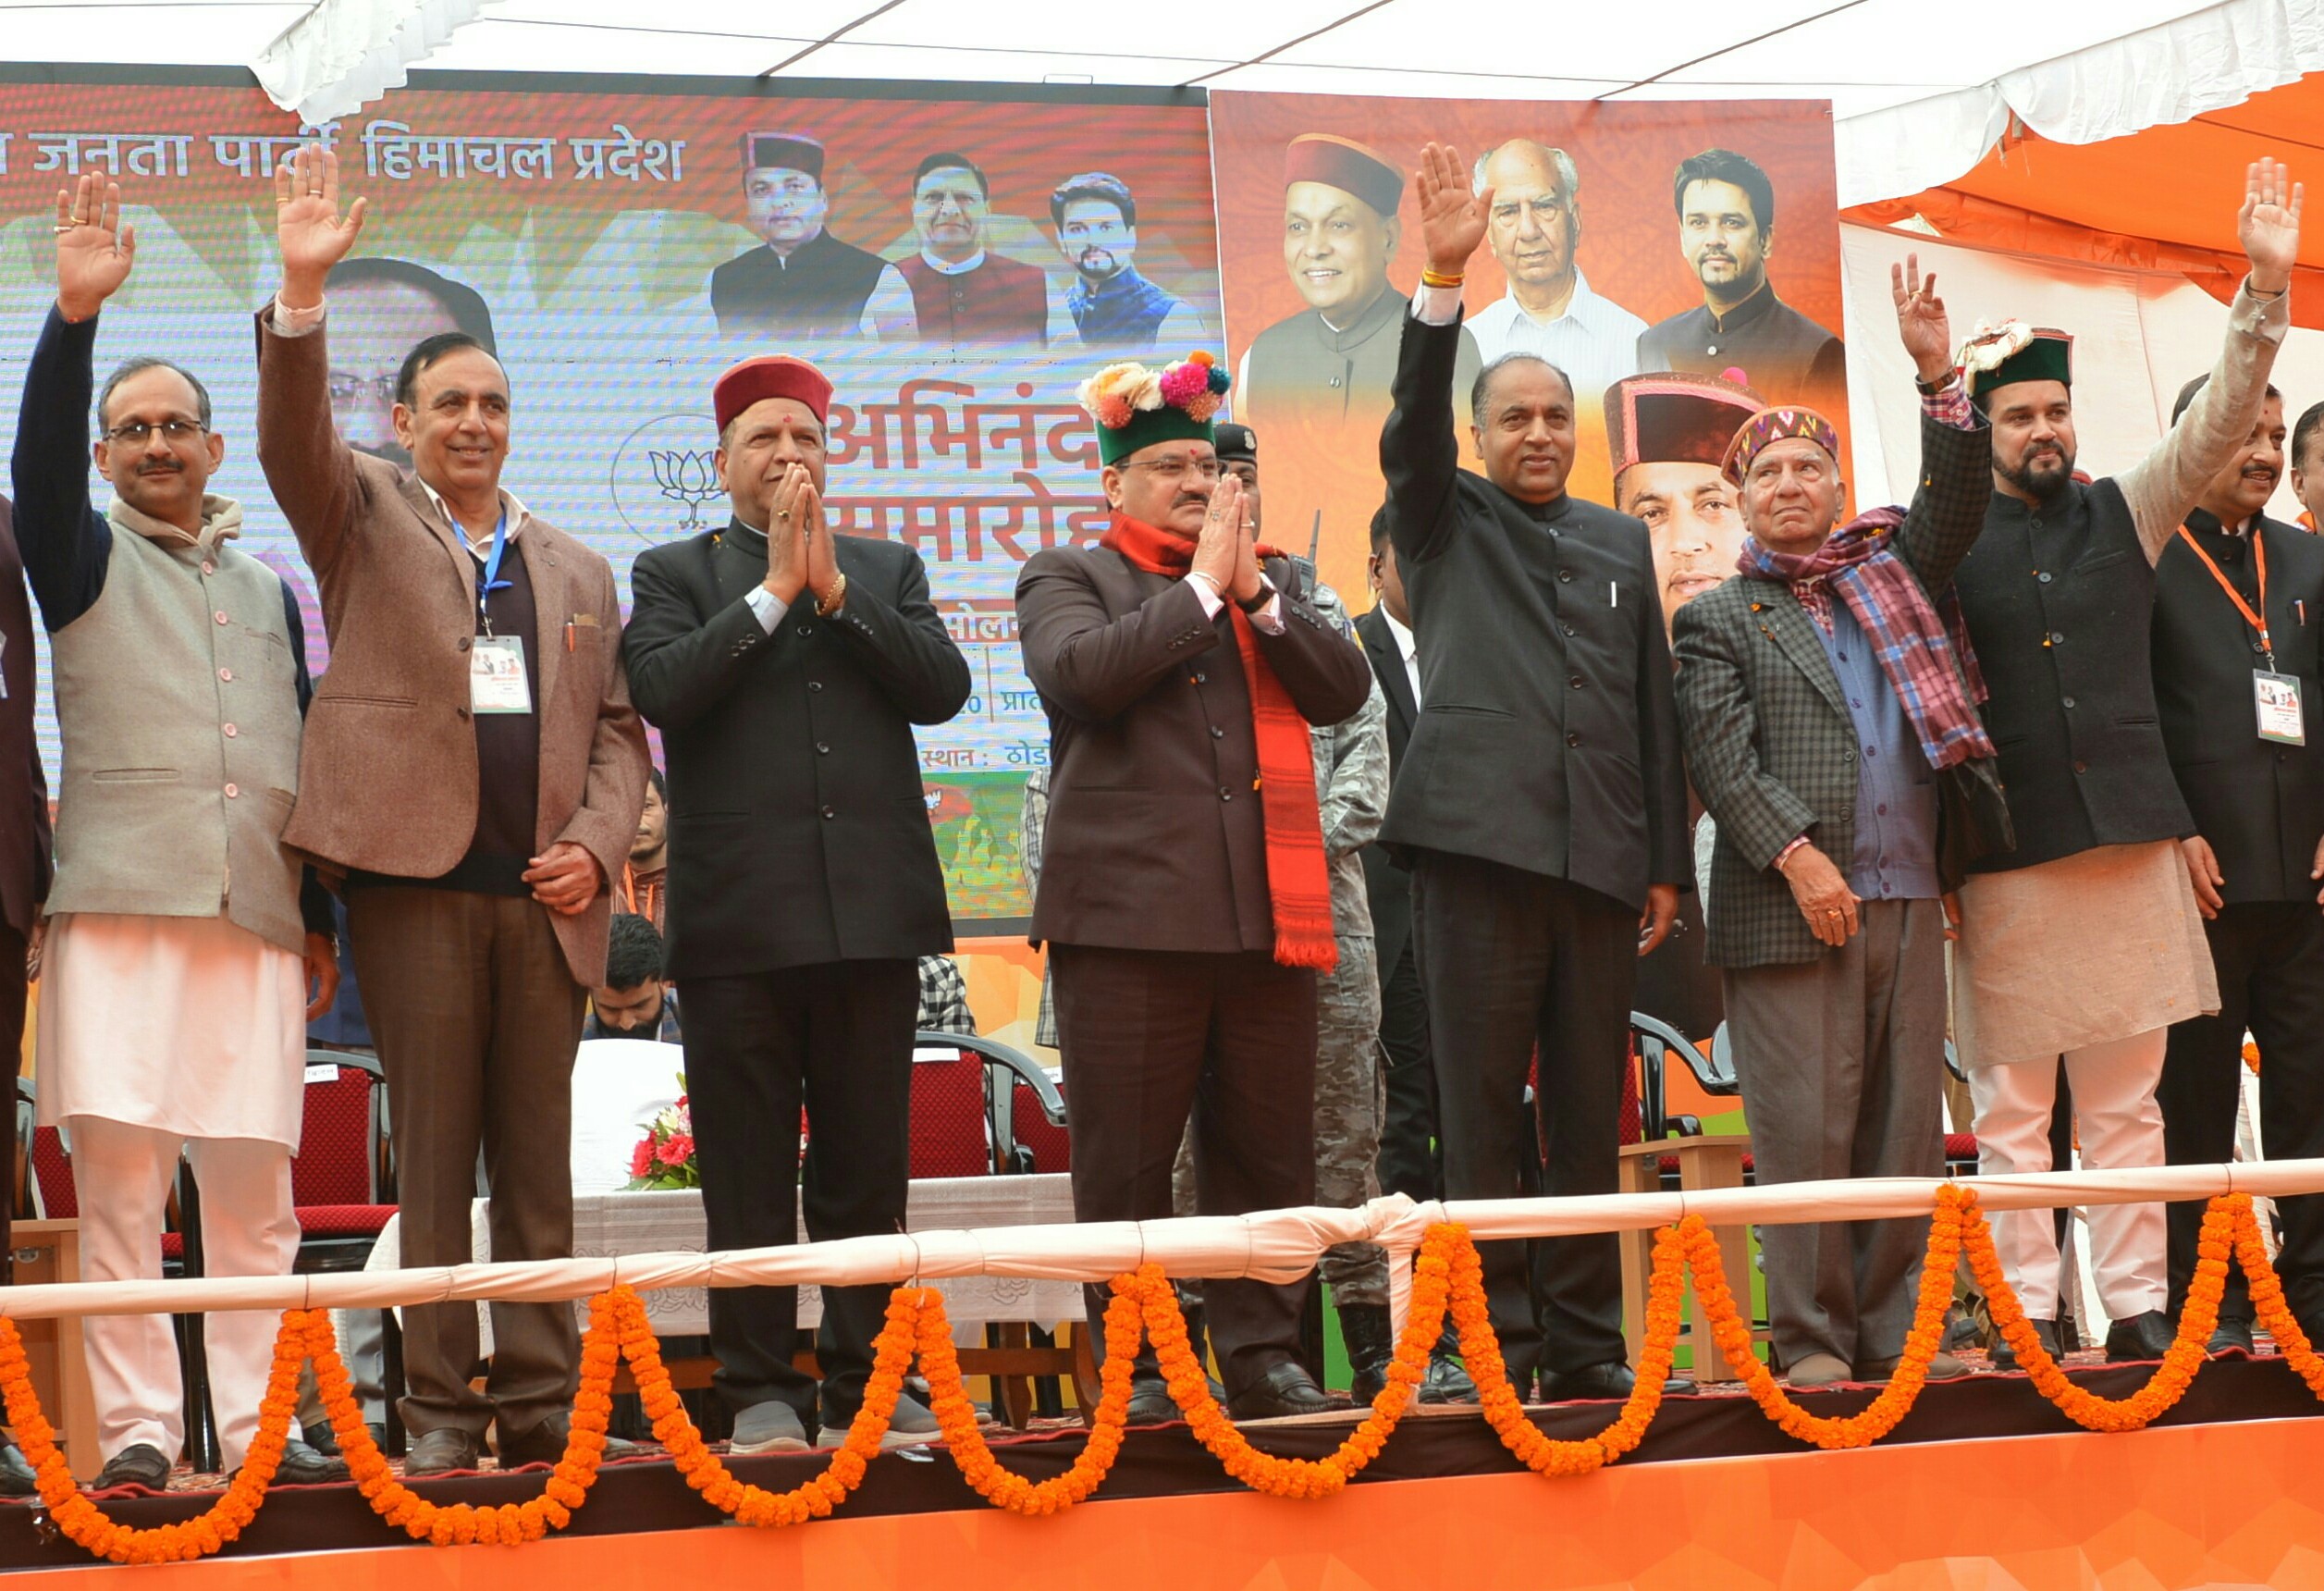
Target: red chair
[[337, 1176], [966, 1112], [952, 1135], [966, 1122]]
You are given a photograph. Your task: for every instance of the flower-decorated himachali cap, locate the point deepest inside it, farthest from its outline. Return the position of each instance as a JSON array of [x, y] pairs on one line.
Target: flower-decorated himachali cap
[[1136, 407], [1769, 426], [770, 376], [1343, 163], [1676, 416], [784, 151], [1999, 355]]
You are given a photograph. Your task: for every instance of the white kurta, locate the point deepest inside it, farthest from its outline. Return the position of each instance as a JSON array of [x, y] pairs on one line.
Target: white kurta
[[2082, 950], [186, 1024]]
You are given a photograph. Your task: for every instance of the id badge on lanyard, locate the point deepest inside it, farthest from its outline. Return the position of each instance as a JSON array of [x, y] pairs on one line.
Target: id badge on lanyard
[[497, 681], [2275, 696]]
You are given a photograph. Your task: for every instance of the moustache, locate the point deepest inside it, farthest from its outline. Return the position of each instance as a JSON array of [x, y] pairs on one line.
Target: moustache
[[166, 468]]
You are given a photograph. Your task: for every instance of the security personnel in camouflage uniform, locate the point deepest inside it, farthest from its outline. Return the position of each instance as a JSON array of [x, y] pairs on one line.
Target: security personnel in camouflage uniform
[[1351, 789]]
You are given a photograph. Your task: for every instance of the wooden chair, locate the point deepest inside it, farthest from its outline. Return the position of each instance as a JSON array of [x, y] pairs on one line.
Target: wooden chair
[[1660, 1151]]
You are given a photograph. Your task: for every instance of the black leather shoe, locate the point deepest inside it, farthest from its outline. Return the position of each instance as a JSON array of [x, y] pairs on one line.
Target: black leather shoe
[[1284, 1389], [321, 1437], [2231, 1336], [304, 1464], [138, 1464], [441, 1452], [1446, 1381], [1612, 1380], [2140, 1338], [544, 1443], [17, 1478], [2045, 1331], [1150, 1402]]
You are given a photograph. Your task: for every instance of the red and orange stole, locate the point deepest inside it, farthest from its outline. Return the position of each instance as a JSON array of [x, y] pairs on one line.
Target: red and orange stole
[[1298, 882]]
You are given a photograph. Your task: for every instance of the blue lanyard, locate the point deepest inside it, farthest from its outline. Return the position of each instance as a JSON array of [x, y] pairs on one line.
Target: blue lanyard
[[490, 581]]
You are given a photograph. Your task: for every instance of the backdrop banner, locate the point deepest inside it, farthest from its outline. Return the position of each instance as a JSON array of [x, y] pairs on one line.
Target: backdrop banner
[[1626, 238], [619, 249]]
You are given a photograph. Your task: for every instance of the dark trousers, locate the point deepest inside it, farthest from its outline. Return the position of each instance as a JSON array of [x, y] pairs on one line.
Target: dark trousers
[[1412, 1161], [12, 1042], [477, 1016], [1151, 1037], [837, 1038], [2270, 958], [1511, 960], [1842, 1061]]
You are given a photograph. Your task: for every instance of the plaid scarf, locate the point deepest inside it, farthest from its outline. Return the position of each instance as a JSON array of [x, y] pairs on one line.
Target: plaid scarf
[[1298, 881], [1917, 643]]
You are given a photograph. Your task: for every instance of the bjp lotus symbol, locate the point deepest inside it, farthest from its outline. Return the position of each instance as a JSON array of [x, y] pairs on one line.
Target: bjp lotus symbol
[[688, 479]]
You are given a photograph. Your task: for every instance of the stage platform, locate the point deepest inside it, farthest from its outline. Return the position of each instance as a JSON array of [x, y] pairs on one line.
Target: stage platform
[[1984, 1484]]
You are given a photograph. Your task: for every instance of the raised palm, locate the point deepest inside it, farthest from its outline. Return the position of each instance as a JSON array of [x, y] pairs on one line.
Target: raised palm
[[93, 249], [1452, 218], [2269, 224], [307, 224]]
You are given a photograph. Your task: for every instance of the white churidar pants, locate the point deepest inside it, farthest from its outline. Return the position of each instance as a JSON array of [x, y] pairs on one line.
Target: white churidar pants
[[2121, 1127], [248, 1228]]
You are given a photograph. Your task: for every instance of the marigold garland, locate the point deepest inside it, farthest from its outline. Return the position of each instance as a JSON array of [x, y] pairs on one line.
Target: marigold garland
[[1505, 1412], [1896, 1400], [1447, 1278], [86, 1524], [2186, 1354]]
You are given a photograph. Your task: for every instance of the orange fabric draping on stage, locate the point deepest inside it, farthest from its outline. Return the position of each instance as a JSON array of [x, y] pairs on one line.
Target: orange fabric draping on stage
[[2161, 199]]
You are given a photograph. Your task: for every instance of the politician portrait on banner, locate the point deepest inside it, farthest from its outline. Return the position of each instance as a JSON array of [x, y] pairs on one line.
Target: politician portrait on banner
[[1319, 230]]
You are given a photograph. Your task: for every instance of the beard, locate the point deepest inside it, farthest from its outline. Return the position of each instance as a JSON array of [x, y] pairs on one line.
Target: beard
[[2043, 472], [1098, 265]]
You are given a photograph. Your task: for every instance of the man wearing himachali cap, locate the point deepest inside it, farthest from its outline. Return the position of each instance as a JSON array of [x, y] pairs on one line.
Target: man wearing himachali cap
[[1334, 360], [802, 281], [1824, 695], [1666, 434], [2085, 942], [1184, 892], [785, 667]]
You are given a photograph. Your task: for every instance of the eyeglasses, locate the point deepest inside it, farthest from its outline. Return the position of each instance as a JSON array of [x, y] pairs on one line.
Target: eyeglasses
[[133, 433], [345, 388], [1175, 469]]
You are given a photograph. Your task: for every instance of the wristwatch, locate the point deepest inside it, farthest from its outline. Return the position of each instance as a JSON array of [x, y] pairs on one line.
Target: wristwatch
[[1258, 600], [827, 606]]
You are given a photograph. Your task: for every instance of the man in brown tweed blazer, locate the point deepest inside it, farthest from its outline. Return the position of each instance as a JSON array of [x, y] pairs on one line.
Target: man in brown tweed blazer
[[1825, 904], [475, 770]]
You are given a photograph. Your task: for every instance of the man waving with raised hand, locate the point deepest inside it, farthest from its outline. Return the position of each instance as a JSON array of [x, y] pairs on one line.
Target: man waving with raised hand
[[475, 771]]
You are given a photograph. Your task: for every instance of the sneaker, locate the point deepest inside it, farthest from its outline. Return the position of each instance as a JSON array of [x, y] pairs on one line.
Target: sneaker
[[912, 1425], [772, 1427]]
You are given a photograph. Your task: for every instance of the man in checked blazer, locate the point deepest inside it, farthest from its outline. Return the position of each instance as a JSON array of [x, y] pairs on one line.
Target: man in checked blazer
[[1819, 694]]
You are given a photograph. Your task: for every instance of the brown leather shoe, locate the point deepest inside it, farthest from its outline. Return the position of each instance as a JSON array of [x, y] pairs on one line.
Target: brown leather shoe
[[544, 1443], [1817, 1370], [441, 1452]]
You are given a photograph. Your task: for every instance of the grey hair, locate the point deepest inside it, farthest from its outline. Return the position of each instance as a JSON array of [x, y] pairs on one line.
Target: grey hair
[[138, 366], [1567, 174], [1482, 388]]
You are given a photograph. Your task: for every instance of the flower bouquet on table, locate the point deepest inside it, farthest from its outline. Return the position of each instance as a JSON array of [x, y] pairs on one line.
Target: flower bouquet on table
[[664, 1158]]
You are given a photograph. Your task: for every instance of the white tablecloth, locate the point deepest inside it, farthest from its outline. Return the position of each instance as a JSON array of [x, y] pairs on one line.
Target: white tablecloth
[[606, 1225]]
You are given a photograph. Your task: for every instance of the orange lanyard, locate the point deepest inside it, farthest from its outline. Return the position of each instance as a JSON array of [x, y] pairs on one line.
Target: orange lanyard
[[2259, 563]]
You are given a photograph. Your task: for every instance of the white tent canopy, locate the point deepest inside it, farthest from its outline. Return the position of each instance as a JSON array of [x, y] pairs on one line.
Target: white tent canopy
[[1920, 90]]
